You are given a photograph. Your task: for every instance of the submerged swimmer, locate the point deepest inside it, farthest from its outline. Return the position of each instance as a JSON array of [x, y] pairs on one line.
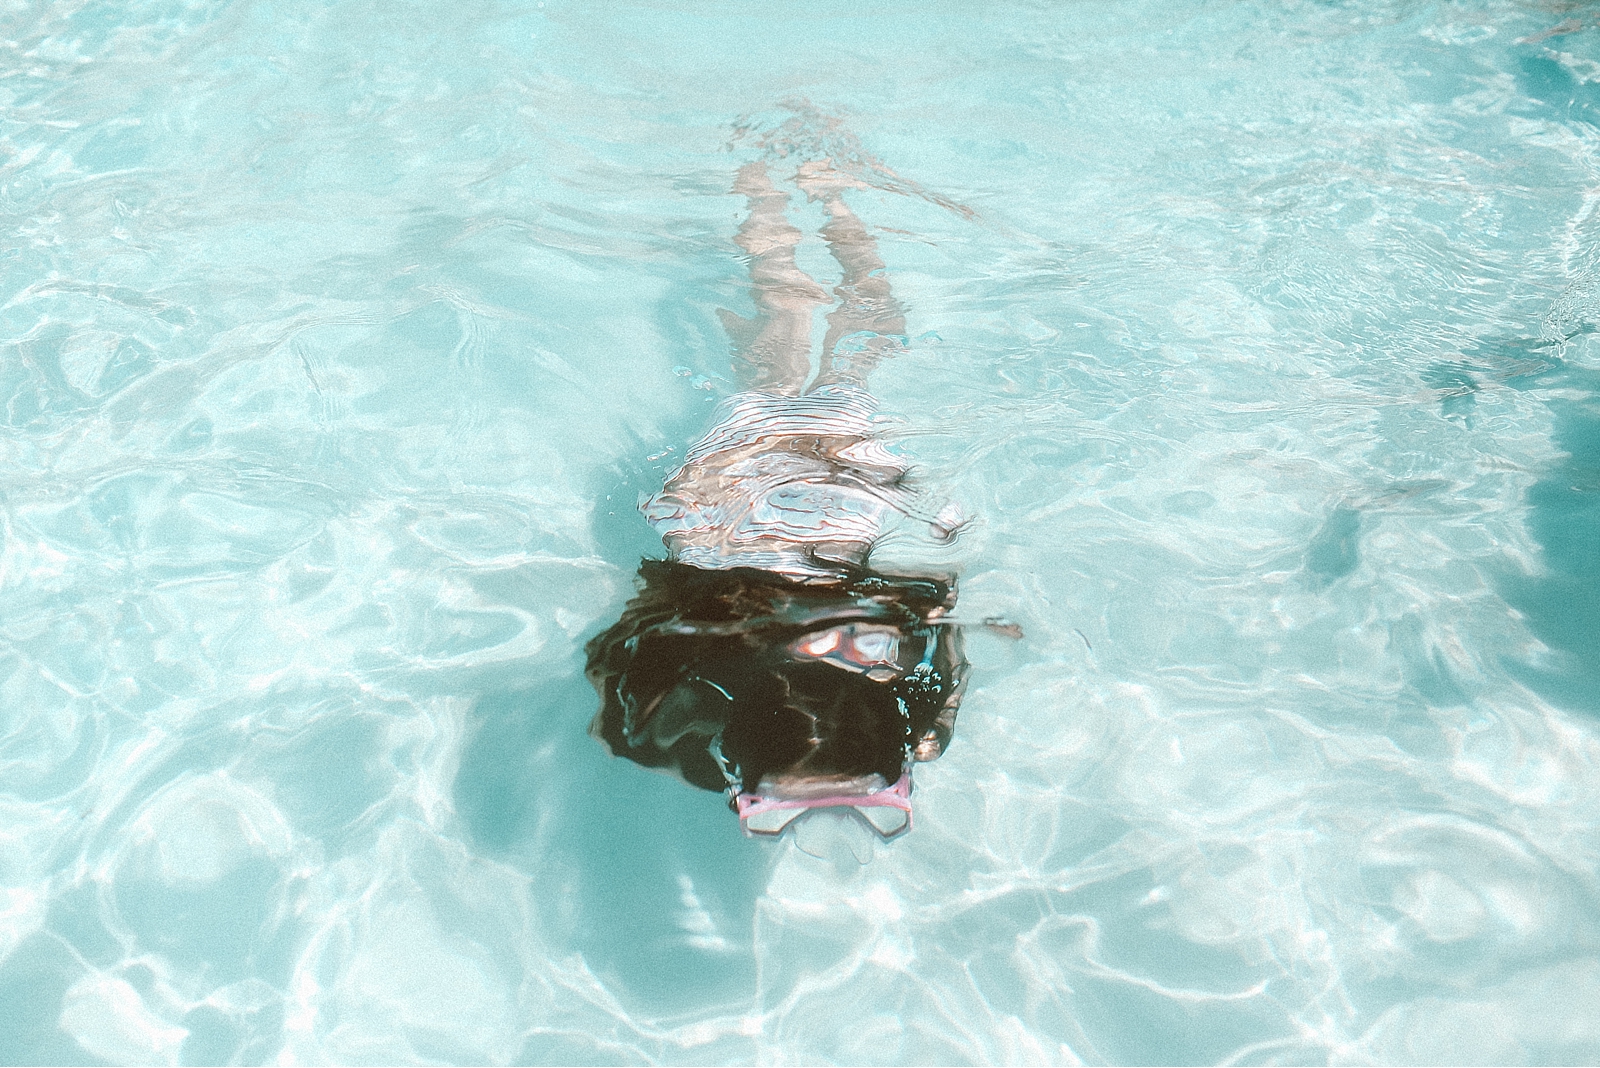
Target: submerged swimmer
[[764, 658]]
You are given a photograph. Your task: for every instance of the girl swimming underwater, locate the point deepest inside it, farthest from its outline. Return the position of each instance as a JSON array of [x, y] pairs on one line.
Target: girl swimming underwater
[[764, 658]]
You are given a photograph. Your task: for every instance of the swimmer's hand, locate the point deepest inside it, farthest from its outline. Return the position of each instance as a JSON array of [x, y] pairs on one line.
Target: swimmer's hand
[[1004, 627]]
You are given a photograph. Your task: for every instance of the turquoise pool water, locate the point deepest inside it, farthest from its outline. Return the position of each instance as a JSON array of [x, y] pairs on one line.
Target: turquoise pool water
[[338, 340]]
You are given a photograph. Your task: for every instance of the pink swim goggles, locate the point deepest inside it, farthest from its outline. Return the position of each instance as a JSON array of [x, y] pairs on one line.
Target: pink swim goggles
[[886, 811]]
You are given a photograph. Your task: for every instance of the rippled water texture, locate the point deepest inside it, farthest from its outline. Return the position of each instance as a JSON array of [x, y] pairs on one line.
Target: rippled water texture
[[338, 340]]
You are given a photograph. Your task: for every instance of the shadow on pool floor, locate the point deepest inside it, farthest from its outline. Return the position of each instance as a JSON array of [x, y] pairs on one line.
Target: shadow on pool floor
[[1561, 604]]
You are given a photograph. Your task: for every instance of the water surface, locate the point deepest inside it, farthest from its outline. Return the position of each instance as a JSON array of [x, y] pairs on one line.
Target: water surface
[[337, 342]]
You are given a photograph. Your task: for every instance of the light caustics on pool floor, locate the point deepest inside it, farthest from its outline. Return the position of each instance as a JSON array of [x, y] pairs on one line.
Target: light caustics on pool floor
[[337, 343]]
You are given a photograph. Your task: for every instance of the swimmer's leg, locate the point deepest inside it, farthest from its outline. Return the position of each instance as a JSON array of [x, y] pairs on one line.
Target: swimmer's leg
[[774, 348], [868, 319]]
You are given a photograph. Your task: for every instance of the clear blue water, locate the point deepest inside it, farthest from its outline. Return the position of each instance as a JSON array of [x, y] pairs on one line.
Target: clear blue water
[[337, 341]]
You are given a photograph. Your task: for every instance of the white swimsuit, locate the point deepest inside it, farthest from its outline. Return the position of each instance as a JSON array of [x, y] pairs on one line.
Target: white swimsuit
[[796, 485]]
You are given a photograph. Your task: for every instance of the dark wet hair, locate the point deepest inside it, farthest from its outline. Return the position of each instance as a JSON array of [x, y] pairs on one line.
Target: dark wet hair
[[700, 676]]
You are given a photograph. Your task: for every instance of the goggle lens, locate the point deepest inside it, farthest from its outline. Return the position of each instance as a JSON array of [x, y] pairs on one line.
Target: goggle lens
[[888, 822], [772, 821]]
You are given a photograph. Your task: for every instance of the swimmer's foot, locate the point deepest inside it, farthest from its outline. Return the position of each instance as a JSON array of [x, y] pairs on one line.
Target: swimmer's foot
[[754, 182], [818, 180]]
